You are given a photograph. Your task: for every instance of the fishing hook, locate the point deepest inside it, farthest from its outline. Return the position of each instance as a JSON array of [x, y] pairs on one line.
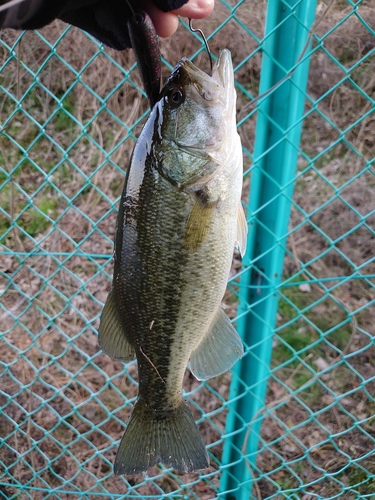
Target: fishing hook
[[197, 30]]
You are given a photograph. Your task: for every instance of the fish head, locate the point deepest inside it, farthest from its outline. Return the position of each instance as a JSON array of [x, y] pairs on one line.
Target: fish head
[[195, 121]]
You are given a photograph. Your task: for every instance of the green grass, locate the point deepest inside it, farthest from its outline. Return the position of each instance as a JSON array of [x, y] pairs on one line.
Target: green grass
[[294, 353], [21, 169], [62, 121], [363, 482], [33, 220]]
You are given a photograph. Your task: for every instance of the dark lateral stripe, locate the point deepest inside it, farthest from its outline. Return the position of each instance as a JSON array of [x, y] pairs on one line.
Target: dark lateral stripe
[[149, 286]]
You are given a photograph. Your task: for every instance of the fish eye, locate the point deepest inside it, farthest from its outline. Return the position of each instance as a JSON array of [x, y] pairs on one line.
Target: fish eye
[[175, 97]]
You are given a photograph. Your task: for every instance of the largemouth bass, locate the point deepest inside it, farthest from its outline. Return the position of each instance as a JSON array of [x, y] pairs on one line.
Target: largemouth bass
[[179, 220]]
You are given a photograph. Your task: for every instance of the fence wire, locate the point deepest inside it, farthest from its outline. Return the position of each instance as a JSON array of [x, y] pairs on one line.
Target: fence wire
[[70, 114]]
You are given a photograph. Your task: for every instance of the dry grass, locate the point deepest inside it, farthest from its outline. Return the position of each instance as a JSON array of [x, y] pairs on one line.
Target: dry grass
[[64, 403]]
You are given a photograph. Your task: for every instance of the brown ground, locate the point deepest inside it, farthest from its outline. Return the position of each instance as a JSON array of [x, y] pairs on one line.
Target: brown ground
[[63, 403]]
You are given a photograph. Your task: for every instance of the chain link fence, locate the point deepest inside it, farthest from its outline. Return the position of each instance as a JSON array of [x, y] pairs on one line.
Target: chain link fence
[[70, 113]]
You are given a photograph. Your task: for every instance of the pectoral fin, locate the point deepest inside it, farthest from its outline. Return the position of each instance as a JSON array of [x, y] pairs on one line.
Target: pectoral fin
[[199, 224], [219, 349], [241, 238], [112, 339]]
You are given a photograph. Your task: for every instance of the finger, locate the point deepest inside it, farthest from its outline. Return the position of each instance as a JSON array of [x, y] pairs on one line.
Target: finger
[[166, 23], [196, 9]]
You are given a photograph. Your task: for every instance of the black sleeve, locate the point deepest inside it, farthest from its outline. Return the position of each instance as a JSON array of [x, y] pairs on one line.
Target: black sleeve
[[106, 20]]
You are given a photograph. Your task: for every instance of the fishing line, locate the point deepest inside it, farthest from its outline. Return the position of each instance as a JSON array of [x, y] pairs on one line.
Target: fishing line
[[130, 6], [197, 30], [12, 3]]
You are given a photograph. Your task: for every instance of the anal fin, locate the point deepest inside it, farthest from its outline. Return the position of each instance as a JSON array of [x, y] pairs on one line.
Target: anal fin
[[219, 349], [112, 339]]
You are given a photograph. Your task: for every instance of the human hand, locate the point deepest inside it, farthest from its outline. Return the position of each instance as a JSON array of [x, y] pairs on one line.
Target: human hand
[[106, 20], [166, 23]]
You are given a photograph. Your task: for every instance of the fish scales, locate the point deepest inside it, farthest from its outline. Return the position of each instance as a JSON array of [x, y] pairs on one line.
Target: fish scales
[[176, 230]]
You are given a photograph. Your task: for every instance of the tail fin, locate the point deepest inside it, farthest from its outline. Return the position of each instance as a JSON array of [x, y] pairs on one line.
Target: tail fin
[[173, 439]]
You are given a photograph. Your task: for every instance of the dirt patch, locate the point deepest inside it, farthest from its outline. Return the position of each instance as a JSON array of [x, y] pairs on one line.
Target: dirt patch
[[64, 153]]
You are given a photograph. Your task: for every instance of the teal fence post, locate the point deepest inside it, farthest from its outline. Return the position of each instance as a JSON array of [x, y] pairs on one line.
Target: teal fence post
[[278, 134]]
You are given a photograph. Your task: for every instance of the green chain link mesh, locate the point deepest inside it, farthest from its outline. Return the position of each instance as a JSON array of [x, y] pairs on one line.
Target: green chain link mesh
[[70, 114]]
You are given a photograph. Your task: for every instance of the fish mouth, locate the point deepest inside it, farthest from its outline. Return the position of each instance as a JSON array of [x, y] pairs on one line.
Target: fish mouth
[[223, 74], [222, 71], [218, 86]]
